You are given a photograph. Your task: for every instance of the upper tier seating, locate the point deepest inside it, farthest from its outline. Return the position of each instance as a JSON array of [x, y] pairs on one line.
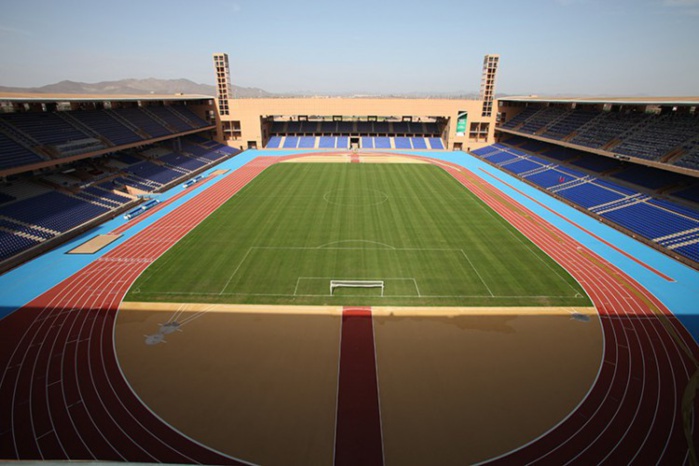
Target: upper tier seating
[[45, 127], [659, 136], [143, 121], [183, 112], [170, 117], [15, 154], [569, 124], [108, 126]]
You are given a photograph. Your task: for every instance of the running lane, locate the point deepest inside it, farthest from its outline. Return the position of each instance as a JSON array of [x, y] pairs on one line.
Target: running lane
[[641, 408], [62, 395]]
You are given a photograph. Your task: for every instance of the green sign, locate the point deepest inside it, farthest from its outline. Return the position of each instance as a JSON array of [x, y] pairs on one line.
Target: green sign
[[461, 123]]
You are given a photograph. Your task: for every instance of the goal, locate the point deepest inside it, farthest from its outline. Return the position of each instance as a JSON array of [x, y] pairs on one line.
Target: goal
[[356, 284]]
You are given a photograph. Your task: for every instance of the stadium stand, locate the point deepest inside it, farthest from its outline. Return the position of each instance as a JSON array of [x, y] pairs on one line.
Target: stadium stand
[[418, 143], [145, 122], [169, 117], [436, 143], [665, 223], [291, 142], [47, 128], [402, 143], [53, 210], [327, 142], [14, 154], [382, 143], [106, 125], [274, 142]]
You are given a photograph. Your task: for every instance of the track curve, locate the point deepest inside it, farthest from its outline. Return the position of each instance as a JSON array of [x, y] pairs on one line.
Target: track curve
[[62, 395]]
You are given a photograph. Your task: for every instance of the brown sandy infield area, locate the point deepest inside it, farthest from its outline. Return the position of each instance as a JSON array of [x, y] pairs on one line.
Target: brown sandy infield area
[[457, 385]]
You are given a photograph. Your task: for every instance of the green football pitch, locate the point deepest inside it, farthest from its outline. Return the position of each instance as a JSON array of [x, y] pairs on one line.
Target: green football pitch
[[297, 226]]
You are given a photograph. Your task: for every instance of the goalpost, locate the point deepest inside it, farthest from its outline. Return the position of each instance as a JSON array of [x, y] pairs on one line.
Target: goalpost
[[356, 284]]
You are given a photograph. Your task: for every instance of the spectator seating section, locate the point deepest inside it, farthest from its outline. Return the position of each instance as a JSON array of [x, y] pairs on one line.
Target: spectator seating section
[[189, 116], [53, 210], [327, 142], [274, 142], [291, 142], [666, 223], [418, 143], [643, 135], [47, 128], [402, 143], [31, 213], [172, 118], [15, 154], [436, 143], [382, 143], [156, 173], [144, 122], [108, 126], [307, 142]]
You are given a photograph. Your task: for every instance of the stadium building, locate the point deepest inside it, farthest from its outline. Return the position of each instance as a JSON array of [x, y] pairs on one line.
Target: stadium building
[[195, 279]]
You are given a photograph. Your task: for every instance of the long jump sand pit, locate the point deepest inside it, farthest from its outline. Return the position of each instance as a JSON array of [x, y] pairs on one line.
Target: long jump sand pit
[[456, 385], [94, 244]]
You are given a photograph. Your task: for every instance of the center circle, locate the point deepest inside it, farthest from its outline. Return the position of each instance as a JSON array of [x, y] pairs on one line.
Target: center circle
[[355, 197]]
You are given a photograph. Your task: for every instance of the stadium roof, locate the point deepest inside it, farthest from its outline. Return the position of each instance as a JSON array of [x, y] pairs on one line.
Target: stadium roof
[[38, 97], [643, 100]]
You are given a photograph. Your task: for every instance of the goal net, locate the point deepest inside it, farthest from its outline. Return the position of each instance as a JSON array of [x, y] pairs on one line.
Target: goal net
[[356, 284]]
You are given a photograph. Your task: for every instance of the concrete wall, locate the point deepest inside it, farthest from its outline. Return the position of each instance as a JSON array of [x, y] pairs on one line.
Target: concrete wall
[[251, 112]]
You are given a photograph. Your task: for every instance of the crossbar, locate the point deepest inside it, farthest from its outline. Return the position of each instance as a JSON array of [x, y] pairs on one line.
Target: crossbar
[[356, 284]]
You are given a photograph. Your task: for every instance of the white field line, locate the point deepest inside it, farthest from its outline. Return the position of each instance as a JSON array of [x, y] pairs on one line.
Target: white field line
[[235, 271], [477, 273]]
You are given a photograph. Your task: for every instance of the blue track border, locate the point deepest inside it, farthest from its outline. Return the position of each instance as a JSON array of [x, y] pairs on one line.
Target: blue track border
[[681, 296]]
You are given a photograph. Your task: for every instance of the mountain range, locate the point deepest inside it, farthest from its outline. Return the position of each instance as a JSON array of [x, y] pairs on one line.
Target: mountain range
[[136, 86]]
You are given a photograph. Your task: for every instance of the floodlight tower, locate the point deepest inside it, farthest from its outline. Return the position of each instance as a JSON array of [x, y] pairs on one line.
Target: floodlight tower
[[490, 70], [223, 82]]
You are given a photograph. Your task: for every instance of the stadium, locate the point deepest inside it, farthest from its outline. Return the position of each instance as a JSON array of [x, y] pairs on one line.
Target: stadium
[[195, 279]]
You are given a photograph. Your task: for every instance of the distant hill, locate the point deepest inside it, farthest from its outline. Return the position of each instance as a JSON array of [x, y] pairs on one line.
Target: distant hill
[[136, 86]]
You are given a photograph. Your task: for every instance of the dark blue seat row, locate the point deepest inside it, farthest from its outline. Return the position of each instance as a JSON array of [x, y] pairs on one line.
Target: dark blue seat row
[[53, 210], [655, 219]]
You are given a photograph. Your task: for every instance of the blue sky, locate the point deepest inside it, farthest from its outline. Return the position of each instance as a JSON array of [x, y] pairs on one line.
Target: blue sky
[[612, 47]]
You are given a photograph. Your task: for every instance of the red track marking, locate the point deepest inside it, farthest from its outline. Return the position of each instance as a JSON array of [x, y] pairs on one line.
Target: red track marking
[[354, 158], [358, 432], [633, 412], [619, 250], [62, 395]]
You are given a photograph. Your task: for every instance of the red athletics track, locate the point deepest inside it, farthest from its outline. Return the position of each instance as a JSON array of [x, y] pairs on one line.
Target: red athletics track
[[62, 395], [633, 413]]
